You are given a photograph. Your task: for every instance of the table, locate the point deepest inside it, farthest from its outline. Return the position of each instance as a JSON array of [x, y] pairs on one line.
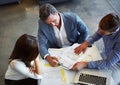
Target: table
[[59, 75]]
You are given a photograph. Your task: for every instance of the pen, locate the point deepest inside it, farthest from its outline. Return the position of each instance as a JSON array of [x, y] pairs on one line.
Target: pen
[[65, 67]]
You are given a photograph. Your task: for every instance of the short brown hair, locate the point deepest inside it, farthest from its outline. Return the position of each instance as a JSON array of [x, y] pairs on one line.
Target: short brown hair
[[110, 22], [45, 10]]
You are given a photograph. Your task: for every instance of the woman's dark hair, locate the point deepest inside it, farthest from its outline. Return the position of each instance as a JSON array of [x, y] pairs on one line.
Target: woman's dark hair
[[110, 22], [45, 10], [26, 49]]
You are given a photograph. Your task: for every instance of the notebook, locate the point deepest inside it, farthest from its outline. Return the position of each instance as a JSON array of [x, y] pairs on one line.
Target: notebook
[[92, 77]]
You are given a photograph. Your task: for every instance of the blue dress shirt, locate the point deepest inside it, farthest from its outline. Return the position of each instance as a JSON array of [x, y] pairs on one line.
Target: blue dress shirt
[[111, 50]]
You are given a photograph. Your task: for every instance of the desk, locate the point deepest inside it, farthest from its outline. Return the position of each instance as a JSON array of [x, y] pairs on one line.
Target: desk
[[61, 76]]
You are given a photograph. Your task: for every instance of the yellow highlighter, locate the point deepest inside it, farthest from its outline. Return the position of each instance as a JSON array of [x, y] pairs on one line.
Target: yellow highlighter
[[63, 76]]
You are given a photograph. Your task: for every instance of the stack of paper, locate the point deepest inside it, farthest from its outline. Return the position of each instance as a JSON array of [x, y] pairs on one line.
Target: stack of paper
[[68, 58]]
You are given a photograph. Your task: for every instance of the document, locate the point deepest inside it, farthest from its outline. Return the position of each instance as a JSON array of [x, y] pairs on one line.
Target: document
[[66, 55], [51, 78], [68, 58], [50, 81]]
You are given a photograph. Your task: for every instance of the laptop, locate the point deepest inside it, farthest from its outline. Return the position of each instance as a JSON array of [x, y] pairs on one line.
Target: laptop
[[92, 77]]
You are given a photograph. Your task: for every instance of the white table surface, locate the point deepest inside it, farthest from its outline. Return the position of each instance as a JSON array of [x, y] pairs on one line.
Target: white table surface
[[61, 76]]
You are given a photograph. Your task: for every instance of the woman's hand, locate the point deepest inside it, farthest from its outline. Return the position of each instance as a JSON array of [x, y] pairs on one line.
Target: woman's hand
[[37, 65], [32, 70]]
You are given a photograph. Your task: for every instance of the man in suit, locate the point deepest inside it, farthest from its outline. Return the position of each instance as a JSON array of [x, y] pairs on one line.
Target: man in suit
[[57, 30]]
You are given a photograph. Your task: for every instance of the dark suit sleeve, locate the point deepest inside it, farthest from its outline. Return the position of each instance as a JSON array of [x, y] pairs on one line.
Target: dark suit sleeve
[[82, 29], [42, 43]]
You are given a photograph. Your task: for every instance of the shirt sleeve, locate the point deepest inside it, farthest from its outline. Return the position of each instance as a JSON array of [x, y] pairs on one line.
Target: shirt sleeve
[[46, 56], [94, 38], [42, 44], [21, 68], [112, 58]]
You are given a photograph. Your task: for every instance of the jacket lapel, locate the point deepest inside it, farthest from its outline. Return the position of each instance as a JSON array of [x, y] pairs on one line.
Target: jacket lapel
[[50, 35]]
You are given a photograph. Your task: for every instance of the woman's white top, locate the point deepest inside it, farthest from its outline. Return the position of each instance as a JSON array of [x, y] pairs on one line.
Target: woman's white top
[[17, 70]]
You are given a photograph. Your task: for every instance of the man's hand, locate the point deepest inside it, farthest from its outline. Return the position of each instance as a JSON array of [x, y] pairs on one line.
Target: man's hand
[[81, 48], [53, 61], [79, 65]]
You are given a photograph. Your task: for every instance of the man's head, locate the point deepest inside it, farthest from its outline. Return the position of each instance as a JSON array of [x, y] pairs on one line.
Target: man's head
[[109, 24], [49, 14]]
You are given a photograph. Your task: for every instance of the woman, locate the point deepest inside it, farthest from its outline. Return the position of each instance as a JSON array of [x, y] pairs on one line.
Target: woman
[[24, 64]]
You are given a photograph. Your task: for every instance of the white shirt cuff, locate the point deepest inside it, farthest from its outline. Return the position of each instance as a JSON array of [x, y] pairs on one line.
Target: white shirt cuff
[[46, 56]]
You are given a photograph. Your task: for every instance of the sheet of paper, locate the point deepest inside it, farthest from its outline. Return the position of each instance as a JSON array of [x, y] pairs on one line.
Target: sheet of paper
[[50, 81], [68, 58], [53, 76], [66, 55]]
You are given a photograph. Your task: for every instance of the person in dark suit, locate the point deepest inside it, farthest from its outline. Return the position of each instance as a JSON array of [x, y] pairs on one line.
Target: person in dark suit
[[57, 30]]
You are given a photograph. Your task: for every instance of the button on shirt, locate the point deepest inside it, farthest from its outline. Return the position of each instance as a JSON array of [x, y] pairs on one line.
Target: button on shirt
[[61, 35], [111, 51]]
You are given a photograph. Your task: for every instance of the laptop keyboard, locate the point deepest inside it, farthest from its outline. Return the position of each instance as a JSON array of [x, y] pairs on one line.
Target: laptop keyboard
[[92, 79]]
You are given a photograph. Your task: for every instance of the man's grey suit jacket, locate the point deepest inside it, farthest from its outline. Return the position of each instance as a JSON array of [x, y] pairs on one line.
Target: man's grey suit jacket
[[75, 28]]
